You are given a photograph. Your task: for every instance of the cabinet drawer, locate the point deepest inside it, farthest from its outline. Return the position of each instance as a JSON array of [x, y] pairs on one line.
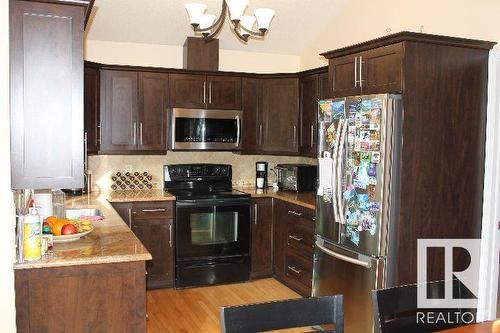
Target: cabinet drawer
[[298, 272], [300, 238], [300, 215], [152, 210]]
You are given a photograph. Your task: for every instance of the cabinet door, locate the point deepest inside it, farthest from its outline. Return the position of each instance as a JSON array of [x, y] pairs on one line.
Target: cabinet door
[[188, 91], [91, 109], [309, 105], [280, 115], [280, 218], [324, 86], [262, 221], [118, 111], [343, 74], [46, 112], [153, 103], [251, 130], [382, 69], [156, 234], [224, 92]]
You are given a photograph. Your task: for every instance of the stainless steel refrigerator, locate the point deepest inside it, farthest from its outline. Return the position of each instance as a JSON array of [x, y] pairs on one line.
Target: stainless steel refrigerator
[[359, 145]]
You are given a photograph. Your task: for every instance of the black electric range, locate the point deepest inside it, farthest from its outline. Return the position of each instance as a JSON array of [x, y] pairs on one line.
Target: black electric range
[[212, 225]]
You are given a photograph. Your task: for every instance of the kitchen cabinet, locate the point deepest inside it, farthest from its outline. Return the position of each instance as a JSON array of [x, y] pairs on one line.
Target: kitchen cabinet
[[251, 135], [86, 298], [91, 109], [153, 224], [46, 94], [293, 246], [324, 90], [133, 112], [280, 116], [198, 91], [261, 247], [309, 94], [373, 71]]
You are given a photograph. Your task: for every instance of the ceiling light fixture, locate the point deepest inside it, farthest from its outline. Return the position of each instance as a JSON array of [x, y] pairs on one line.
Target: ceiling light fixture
[[242, 25]]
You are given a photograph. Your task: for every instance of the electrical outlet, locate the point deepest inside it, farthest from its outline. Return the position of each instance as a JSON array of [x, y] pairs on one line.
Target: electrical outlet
[[128, 168]]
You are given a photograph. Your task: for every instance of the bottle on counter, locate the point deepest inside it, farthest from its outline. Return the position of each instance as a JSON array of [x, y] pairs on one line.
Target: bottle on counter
[[31, 235]]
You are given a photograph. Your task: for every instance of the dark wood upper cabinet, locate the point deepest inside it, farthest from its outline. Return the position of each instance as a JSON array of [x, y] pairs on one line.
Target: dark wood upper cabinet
[[224, 92], [280, 115], [325, 90], [119, 118], [153, 106], [91, 109], [309, 94], [250, 140], [343, 75], [188, 91], [46, 67], [262, 223], [382, 69]]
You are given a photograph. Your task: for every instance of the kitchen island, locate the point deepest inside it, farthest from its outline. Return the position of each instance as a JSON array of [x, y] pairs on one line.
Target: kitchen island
[[95, 284]]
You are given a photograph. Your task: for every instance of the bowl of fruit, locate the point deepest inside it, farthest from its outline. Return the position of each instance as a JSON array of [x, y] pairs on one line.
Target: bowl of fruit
[[65, 230]]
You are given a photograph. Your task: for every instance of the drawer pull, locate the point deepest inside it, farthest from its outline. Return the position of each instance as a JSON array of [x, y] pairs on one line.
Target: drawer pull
[[153, 210], [295, 270], [295, 213], [298, 239]]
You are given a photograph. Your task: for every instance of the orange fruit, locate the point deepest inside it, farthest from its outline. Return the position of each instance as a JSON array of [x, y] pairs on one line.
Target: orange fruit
[[57, 226], [51, 220]]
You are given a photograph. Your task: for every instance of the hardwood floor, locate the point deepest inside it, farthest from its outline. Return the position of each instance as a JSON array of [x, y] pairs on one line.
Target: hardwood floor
[[197, 309]]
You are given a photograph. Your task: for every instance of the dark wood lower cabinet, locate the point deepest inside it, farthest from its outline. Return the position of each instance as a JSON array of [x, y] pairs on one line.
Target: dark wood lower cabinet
[[293, 246], [262, 226], [153, 224], [89, 298]]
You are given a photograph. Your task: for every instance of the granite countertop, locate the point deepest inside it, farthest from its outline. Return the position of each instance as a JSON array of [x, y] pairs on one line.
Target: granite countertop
[[111, 241], [304, 199], [143, 195]]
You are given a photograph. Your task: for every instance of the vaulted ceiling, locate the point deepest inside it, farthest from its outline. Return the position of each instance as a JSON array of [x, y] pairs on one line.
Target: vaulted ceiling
[[295, 26]]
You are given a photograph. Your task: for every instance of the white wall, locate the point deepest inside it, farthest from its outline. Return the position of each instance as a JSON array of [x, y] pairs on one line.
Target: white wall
[[7, 307], [170, 56], [362, 20]]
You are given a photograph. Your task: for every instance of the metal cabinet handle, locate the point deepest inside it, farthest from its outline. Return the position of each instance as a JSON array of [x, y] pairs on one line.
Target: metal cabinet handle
[[260, 134], [99, 136], [238, 131], [355, 72], [295, 270], [140, 132], [361, 71], [130, 218], [170, 235], [135, 132], [295, 213], [85, 152], [312, 136], [298, 239], [153, 210], [294, 136], [204, 92], [255, 213], [210, 92]]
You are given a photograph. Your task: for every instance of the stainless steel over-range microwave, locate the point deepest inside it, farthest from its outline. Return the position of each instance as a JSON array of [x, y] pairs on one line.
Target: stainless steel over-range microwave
[[199, 129]]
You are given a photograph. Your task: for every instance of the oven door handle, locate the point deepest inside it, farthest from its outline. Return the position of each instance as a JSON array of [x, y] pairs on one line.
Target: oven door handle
[[212, 202], [238, 130]]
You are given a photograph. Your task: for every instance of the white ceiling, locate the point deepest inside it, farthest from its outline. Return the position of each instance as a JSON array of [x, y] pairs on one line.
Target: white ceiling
[[296, 24]]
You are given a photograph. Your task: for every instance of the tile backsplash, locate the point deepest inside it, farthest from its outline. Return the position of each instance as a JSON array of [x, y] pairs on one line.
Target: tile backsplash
[[104, 166]]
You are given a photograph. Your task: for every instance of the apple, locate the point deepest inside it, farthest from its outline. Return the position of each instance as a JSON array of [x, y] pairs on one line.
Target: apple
[[68, 229]]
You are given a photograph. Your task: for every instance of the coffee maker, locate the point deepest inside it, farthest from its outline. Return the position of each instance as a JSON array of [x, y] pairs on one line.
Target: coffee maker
[[261, 175]]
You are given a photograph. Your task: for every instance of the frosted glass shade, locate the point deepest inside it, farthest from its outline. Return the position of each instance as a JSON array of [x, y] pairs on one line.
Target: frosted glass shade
[[247, 22], [236, 8], [264, 17], [195, 11], [206, 21]]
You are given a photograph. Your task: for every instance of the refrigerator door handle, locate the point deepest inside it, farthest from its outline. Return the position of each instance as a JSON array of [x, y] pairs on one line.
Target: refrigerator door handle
[[334, 172], [339, 158], [342, 257]]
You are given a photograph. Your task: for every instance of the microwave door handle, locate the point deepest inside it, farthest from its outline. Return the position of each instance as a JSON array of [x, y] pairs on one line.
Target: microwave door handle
[[238, 130], [342, 257], [339, 171]]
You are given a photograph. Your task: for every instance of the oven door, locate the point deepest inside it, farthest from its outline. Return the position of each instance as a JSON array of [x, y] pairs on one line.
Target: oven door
[[212, 228], [197, 129]]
